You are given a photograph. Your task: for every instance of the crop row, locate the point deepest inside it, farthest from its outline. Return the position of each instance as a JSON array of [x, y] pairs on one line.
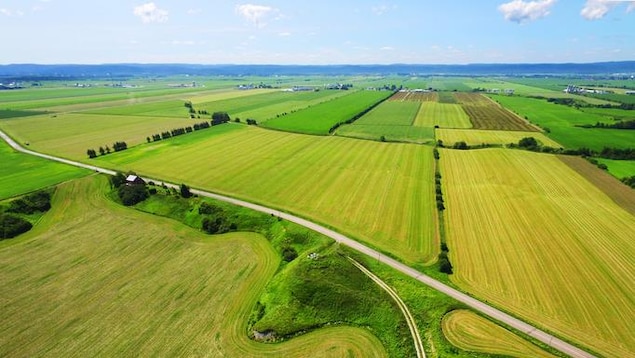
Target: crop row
[[486, 114]]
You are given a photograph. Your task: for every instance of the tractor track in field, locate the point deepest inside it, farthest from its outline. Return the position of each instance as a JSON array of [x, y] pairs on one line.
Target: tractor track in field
[[469, 301]]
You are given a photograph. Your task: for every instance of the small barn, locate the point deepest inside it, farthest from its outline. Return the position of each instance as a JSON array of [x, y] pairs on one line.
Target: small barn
[[134, 180]]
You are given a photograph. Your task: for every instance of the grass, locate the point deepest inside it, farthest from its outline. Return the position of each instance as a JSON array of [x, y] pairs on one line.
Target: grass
[[444, 115], [378, 192], [562, 120], [619, 168], [531, 235], [480, 136], [472, 332], [8, 113], [106, 280], [393, 120], [319, 119], [21, 173], [70, 135]]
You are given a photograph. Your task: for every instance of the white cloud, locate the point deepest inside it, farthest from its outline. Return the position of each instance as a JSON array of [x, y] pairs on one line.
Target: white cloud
[[387, 48], [284, 34], [524, 11], [149, 12], [255, 14], [597, 9], [381, 9], [11, 13]]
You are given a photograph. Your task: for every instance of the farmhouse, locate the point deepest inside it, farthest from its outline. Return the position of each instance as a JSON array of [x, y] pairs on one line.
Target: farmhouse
[[134, 180]]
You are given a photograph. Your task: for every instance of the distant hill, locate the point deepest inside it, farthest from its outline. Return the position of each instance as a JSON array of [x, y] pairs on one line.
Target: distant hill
[[34, 71]]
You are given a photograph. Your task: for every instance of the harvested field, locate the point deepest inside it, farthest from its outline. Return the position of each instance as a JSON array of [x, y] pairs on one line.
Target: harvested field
[[531, 235], [471, 332], [381, 193], [620, 193], [482, 136], [414, 96], [104, 280], [444, 115], [486, 114]]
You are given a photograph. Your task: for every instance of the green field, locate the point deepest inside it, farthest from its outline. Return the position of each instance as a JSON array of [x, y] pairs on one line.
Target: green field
[[380, 193], [444, 115], [103, 280], [469, 331], [562, 120], [21, 173], [319, 119], [528, 233], [619, 168], [391, 113]]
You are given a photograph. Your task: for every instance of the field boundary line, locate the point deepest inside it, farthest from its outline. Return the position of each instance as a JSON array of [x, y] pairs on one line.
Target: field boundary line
[[470, 301], [412, 324]]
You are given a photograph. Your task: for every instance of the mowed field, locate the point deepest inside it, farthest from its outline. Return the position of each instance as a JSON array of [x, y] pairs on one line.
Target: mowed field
[[480, 136], [471, 332], [378, 192], [70, 135], [531, 235], [444, 115], [21, 173], [393, 119], [319, 119], [97, 279], [487, 114]]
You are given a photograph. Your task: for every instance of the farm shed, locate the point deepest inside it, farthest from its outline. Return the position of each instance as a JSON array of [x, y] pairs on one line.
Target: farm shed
[[134, 180]]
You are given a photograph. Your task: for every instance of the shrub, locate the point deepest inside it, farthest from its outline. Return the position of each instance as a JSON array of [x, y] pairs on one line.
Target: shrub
[[12, 226], [289, 254], [132, 194], [38, 201]]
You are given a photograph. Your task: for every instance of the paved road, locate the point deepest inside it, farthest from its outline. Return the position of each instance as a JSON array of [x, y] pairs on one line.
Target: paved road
[[477, 305]]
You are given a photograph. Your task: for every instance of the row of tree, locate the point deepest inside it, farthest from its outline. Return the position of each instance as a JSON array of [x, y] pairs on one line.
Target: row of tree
[[629, 124], [444, 261], [117, 147], [12, 223], [180, 131]]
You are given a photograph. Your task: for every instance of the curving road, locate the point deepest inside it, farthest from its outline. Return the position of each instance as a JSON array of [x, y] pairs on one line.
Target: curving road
[[477, 305]]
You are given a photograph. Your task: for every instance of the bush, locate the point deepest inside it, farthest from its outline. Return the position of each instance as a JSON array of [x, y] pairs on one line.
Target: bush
[[460, 145], [38, 201], [528, 143], [118, 180], [444, 263], [12, 226], [289, 254], [132, 194]]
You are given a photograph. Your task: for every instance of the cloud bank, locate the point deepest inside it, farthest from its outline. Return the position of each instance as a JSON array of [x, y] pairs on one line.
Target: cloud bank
[[255, 13], [520, 11], [597, 9], [149, 13]]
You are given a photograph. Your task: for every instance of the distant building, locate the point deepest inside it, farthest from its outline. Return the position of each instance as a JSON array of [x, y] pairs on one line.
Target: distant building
[[629, 92], [134, 180]]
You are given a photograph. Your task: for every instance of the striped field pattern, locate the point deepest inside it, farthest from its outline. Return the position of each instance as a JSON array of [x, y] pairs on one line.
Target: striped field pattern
[[528, 233], [378, 192], [444, 115], [471, 332], [97, 279]]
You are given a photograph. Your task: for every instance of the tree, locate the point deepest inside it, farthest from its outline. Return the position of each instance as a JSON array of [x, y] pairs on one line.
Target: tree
[[102, 151], [528, 143], [132, 194], [460, 145], [185, 191], [220, 117], [118, 180], [11, 226], [91, 153]]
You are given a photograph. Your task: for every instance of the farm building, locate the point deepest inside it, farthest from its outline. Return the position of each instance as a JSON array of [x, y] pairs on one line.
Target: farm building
[[134, 180]]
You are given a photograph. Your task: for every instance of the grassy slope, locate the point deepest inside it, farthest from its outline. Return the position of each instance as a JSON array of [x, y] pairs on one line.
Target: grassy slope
[[105, 280], [561, 121], [479, 136], [21, 173], [378, 192], [320, 118], [528, 233], [472, 332]]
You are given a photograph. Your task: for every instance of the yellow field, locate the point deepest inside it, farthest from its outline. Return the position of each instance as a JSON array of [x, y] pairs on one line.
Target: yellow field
[[97, 279], [378, 192], [480, 136], [444, 115], [471, 332], [529, 234], [70, 135]]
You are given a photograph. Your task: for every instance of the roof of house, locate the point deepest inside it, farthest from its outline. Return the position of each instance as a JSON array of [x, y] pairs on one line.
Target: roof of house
[[131, 178]]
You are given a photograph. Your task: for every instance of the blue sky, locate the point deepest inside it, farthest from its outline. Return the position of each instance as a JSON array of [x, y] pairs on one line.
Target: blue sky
[[316, 32]]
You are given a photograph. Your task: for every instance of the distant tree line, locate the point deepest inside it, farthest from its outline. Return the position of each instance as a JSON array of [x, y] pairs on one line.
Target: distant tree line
[[117, 147], [576, 103], [189, 129], [444, 262], [629, 124], [11, 222]]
